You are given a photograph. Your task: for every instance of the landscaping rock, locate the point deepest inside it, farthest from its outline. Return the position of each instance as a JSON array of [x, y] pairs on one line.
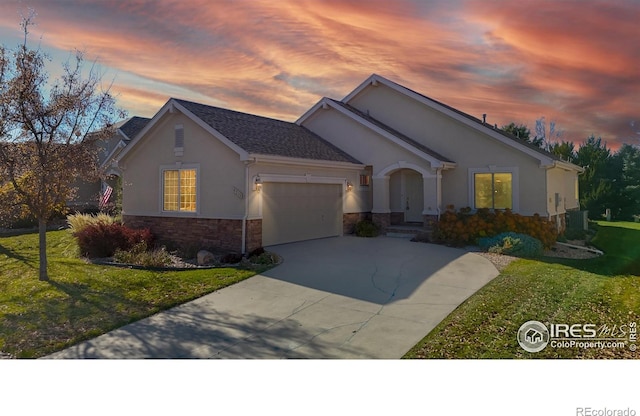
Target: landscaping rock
[[205, 257]]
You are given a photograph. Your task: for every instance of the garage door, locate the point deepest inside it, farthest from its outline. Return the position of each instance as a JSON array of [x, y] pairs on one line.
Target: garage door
[[300, 211]]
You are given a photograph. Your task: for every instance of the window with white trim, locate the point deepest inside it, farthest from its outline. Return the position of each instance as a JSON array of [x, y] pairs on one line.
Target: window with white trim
[[179, 191], [493, 190]]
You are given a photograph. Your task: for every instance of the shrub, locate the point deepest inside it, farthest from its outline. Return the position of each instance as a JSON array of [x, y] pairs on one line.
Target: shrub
[[231, 258], [463, 227], [366, 228], [575, 234], [256, 252], [78, 222], [264, 258], [514, 244], [140, 255], [102, 240]]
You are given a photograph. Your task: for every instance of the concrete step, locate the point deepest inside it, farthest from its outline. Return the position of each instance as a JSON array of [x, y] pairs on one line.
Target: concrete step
[[400, 235], [407, 231]]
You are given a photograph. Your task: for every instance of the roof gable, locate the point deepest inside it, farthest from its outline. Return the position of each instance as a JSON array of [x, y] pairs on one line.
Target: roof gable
[[546, 158], [251, 135], [266, 136], [133, 126], [394, 132]]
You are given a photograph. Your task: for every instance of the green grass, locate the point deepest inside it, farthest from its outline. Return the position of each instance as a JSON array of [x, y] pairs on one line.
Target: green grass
[[83, 300], [605, 290]]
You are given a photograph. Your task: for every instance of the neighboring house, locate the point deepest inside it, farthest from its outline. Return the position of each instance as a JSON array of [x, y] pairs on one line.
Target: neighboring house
[[90, 194], [202, 176]]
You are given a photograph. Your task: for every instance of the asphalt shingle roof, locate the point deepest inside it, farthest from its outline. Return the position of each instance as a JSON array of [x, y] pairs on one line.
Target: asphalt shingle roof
[[267, 136], [133, 126], [394, 132]]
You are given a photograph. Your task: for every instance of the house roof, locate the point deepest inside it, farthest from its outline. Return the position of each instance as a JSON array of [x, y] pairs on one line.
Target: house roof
[[394, 132], [478, 121], [266, 136], [462, 116], [133, 126]]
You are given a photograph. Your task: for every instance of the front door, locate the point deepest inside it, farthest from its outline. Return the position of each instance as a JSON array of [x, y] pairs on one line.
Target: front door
[[413, 196]]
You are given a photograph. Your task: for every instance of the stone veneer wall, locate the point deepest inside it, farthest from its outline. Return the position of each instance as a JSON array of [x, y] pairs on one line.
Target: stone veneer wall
[[196, 233], [429, 220], [254, 234], [396, 218], [350, 220], [381, 220], [563, 222]]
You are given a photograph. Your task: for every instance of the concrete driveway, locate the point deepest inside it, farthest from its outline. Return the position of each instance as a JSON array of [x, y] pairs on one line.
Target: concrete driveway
[[343, 297]]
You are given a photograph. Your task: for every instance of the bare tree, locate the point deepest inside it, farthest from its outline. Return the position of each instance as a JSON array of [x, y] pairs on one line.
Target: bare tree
[[547, 137], [48, 130]]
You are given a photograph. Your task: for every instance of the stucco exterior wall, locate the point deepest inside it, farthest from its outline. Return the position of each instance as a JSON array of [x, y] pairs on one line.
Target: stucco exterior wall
[[469, 148], [561, 182], [219, 171], [358, 199], [359, 141]]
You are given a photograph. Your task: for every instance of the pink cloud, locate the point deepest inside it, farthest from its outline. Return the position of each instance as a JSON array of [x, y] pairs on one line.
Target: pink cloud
[[569, 61]]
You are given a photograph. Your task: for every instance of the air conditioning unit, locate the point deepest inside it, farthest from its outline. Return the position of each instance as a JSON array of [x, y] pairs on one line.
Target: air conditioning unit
[[578, 220]]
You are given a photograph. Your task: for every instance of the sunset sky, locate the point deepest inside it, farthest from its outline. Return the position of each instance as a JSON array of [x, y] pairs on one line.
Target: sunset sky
[[574, 62]]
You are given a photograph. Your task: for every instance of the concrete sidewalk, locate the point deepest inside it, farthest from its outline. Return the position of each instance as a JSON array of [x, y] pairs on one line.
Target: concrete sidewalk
[[342, 297]]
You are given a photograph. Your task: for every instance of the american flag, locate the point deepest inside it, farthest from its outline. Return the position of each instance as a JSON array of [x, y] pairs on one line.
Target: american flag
[[104, 199]]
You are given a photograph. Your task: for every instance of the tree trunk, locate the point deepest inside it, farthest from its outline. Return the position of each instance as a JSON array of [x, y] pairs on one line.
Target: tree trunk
[[42, 229]]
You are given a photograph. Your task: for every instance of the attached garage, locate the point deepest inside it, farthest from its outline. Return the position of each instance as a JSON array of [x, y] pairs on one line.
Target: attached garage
[[300, 211]]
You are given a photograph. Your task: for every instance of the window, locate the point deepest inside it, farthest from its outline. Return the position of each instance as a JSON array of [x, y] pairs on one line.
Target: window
[[365, 180], [493, 190], [179, 190]]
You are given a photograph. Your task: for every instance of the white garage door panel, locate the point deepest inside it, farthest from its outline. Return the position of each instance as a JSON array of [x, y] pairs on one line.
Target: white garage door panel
[[300, 211]]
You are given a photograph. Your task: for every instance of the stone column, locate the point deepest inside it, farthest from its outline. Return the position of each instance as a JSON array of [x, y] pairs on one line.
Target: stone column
[[381, 213], [432, 196]]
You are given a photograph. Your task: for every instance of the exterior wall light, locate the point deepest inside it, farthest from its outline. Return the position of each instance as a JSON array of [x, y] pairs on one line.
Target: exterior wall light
[[349, 186], [258, 183]]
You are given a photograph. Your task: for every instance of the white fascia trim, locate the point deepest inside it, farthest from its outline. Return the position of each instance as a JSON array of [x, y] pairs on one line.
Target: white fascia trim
[[544, 160], [307, 178], [115, 152], [435, 163], [566, 166], [515, 183], [372, 80], [215, 133], [319, 105], [171, 106], [165, 108], [305, 162], [406, 165], [122, 133]]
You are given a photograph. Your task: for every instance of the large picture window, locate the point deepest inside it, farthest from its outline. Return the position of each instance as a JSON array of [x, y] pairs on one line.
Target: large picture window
[[493, 190], [179, 190]]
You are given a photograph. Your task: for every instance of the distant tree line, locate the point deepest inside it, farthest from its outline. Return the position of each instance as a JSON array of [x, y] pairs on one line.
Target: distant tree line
[[611, 180]]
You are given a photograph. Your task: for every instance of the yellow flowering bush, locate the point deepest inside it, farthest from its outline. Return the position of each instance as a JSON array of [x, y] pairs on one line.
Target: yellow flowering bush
[[459, 228]]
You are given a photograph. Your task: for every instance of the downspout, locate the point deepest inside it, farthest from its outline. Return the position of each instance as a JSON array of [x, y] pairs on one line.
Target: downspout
[[438, 196], [246, 205]]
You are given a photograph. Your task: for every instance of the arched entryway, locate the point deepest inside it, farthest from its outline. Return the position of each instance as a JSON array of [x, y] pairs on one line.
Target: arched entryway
[[406, 196], [406, 193]]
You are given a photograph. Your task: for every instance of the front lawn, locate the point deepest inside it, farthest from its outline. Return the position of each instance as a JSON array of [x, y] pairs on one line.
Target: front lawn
[[83, 300], [600, 291]]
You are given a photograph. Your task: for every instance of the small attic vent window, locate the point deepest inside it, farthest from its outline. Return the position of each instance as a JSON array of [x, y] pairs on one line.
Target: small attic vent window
[[179, 140]]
